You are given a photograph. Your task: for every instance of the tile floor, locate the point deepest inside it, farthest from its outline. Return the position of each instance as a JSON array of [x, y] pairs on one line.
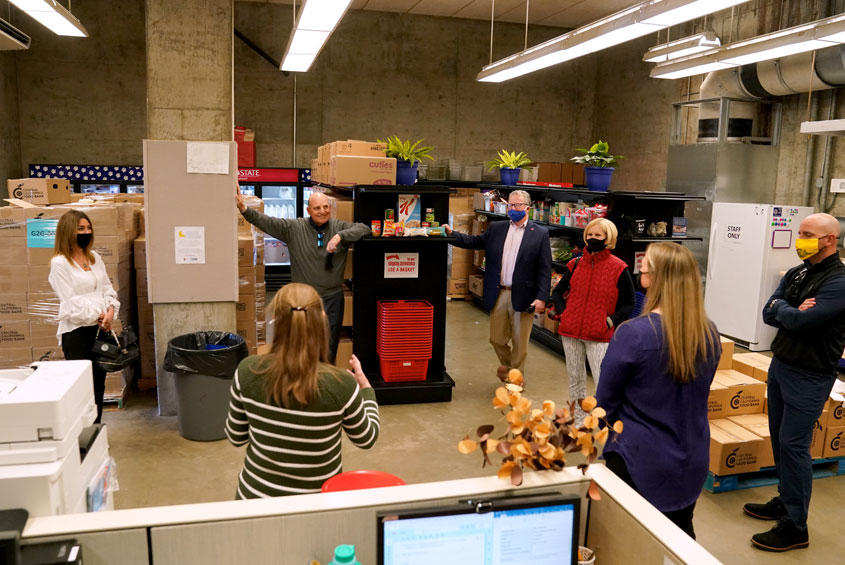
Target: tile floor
[[157, 467]]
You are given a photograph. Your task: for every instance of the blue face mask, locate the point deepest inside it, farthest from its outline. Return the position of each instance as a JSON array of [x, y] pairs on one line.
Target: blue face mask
[[516, 215]]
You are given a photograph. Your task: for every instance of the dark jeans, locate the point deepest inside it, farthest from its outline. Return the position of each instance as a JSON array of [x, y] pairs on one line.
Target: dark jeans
[[77, 345], [796, 400], [681, 518], [333, 305]]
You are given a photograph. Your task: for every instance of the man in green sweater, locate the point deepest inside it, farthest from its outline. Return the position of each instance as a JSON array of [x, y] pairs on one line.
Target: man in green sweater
[[318, 246]]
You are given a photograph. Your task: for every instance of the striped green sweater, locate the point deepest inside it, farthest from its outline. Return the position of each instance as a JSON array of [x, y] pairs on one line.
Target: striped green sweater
[[294, 451]]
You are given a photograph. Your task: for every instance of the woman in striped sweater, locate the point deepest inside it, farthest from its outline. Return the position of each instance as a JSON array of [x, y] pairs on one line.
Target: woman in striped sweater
[[290, 406]]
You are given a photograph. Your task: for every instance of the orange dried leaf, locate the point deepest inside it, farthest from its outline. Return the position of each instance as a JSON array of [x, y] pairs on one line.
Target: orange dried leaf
[[492, 444], [593, 491], [513, 417], [466, 445], [618, 426], [523, 449], [515, 377], [599, 412], [548, 452], [514, 398], [536, 414], [505, 470], [601, 436], [588, 404], [516, 476], [542, 431], [591, 422], [549, 408], [518, 429], [523, 405], [513, 387]]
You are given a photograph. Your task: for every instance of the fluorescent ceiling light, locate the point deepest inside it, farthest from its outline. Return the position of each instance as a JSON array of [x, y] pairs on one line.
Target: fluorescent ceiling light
[[672, 12], [621, 27], [316, 21], [680, 70], [53, 16], [682, 47]]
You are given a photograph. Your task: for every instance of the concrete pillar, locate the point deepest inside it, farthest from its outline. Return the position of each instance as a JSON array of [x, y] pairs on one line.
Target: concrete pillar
[[10, 146], [189, 97]]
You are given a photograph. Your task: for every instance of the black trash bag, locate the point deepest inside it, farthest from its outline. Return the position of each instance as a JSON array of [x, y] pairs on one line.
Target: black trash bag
[[187, 354]]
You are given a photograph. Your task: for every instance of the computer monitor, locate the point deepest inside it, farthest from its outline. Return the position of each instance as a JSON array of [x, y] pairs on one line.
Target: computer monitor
[[530, 530]]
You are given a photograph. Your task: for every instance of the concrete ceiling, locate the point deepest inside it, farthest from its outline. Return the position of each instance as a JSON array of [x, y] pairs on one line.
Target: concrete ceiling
[[556, 13]]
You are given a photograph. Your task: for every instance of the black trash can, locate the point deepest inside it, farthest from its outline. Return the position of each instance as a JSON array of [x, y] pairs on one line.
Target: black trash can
[[204, 364]]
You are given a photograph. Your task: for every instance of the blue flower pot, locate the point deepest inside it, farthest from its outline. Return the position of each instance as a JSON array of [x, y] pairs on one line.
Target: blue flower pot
[[406, 174], [598, 178], [509, 176]]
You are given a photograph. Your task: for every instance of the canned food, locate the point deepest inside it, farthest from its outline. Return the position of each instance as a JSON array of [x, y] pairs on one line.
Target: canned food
[[429, 215], [389, 214], [375, 227]]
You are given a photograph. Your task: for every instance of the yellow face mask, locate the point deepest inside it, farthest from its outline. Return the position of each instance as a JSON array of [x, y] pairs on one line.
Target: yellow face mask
[[806, 248]]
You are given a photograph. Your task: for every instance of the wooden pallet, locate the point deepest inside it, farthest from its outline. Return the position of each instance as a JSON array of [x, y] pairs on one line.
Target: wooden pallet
[[767, 476], [115, 391], [458, 297]]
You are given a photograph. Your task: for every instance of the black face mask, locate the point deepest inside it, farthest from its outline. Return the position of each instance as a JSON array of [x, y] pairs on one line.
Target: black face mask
[[83, 240], [595, 245]]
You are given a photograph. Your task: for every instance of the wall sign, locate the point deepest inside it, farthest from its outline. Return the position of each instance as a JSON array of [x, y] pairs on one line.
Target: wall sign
[[190, 245], [733, 234], [401, 265]]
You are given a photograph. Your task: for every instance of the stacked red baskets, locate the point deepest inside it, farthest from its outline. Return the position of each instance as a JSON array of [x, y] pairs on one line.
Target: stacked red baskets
[[403, 339]]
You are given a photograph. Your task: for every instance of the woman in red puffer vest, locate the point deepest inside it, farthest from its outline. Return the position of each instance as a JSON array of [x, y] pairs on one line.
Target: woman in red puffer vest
[[595, 295]]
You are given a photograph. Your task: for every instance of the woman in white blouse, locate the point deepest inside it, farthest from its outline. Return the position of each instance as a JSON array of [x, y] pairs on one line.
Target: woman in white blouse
[[87, 299]]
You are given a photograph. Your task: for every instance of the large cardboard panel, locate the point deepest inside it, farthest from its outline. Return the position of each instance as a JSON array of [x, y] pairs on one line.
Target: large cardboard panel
[[733, 449], [40, 191], [112, 249], [834, 445], [42, 306], [15, 357], [726, 360], [141, 282], [37, 278], [176, 198], [759, 425], [12, 221], [15, 334], [13, 306], [13, 251], [54, 353], [44, 333]]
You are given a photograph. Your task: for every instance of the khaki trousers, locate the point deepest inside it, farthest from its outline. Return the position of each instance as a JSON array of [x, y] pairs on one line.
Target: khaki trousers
[[506, 326]]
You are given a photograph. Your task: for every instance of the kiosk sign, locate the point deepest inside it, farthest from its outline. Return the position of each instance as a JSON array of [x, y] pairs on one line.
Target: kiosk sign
[[401, 265]]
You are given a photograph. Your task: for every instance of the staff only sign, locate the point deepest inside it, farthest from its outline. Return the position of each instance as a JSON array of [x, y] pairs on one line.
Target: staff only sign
[[401, 265]]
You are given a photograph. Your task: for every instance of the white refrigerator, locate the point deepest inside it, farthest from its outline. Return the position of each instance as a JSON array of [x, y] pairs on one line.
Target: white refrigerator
[[750, 246]]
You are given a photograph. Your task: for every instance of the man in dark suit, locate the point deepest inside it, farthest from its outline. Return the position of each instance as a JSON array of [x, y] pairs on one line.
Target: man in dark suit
[[517, 278]]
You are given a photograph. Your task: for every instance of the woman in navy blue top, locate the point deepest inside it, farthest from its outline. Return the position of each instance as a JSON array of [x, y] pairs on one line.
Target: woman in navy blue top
[[656, 378]]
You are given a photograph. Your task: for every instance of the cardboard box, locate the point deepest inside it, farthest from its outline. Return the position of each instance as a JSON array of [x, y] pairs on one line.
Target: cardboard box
[[14, 334], [460, 205], [12, 222], [733, 449], [109, 219], [141, 282], [342, 208], [834, 444], [733, 393], [759, 425], [551, 325], [113, 249], [44, 333], [357, 148], [726, 360], [458, 286], [13, 251], [460, 270], [458, 255], [42, 306], [140, 250], [248, 331], [349, 170], [478, 258], [40, 191], [54, 353], [461, 223], [245, 308], [819, 431], [246, 280], [15, 357], [476, 285], [836, 406], [348, 271], [347, 308], [38, 255], [13, 306], [344, 352], [578, 174], [145, 311], [479, 226], [548, 172], [745, 362], [246, 251], [120, 274], [761, 374], [36, 278]]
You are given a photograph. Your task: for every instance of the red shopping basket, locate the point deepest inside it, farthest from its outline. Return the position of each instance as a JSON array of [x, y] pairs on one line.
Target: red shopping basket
[[404, 339]]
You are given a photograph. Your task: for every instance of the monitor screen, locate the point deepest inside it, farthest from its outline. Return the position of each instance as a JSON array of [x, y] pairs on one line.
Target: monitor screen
[[511, 531]]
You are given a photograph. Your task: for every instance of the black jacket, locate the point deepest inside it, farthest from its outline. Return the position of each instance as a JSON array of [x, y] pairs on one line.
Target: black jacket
[[812, 339]]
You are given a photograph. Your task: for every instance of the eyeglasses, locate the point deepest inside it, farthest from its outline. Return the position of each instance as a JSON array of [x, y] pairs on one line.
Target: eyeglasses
[[320, 239], [517, 205]]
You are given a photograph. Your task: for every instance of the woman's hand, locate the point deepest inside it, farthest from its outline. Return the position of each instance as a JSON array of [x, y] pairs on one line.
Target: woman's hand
[[106, 319], [355, 371], [239, 199]]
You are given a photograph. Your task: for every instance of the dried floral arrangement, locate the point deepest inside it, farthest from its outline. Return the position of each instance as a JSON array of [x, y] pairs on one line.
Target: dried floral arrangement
[[539, 438]]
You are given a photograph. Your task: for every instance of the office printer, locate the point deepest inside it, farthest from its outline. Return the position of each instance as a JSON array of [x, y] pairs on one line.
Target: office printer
[[52, 460]]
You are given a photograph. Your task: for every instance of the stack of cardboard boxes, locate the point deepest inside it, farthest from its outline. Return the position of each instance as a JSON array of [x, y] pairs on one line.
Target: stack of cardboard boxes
[[28, 306], [252, 288], [740, 441], [146, 329], [461, 261], [351, 162], [560, 173], [344, 209]]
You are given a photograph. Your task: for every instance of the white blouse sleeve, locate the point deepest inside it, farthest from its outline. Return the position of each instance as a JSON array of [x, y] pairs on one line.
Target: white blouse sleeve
[[77, 309]]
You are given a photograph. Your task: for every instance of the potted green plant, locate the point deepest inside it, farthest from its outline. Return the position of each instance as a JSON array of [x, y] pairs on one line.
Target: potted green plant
[[599, 165], [408, 157], [509, 164]]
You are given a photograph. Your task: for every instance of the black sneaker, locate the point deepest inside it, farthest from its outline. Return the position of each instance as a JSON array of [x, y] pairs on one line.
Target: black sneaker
[[783, 537], [772, 510]]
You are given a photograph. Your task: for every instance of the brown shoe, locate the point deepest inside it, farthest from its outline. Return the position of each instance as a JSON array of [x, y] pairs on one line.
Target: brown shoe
[[502, 373]]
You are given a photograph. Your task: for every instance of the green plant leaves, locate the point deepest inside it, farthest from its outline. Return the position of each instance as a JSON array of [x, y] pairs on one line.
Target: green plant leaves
[[405, 151], [509, 160], [597, 156]]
